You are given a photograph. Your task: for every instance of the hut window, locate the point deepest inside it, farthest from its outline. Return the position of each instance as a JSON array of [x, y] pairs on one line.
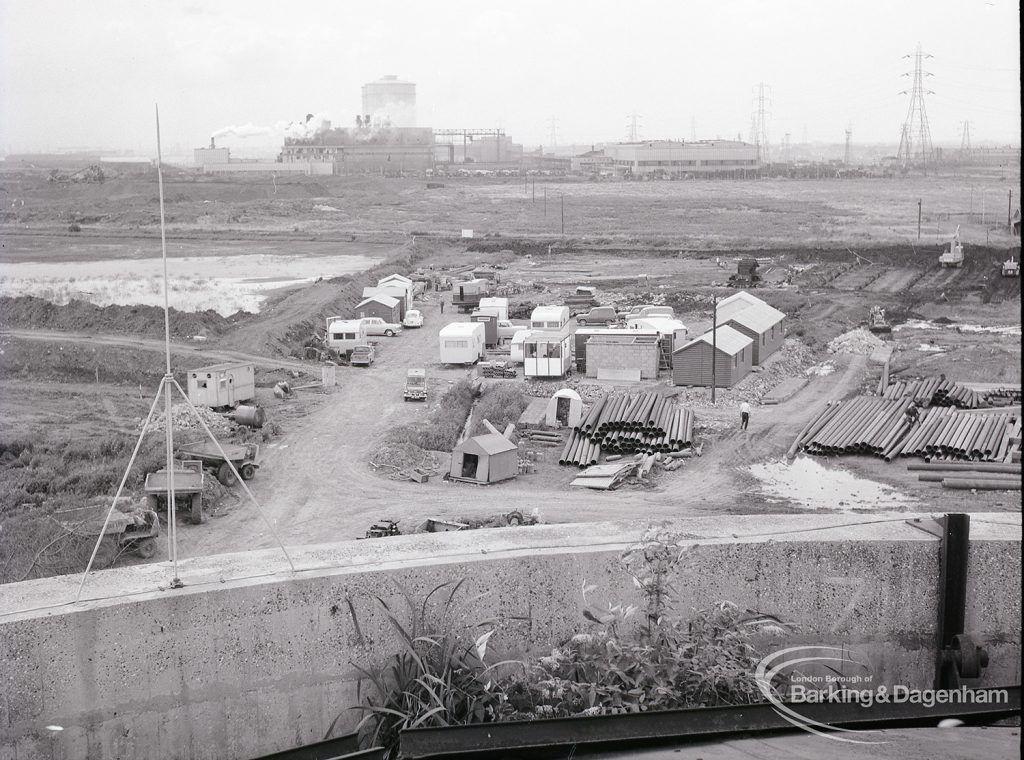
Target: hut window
[[531, 350], [456, 344]]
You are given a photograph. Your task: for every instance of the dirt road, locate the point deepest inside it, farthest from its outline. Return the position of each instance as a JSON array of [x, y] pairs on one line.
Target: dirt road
[[316, 486]]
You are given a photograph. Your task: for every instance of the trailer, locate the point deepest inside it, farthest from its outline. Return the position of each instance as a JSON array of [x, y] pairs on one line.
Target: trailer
[[489, 320], [462, 343], [466, 295], [132, 529], [222, 386], [499, 305], [245, 458], [188, 489], [343, 335]]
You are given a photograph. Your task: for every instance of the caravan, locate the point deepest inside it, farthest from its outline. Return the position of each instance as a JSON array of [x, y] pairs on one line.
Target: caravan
[[344, 335]]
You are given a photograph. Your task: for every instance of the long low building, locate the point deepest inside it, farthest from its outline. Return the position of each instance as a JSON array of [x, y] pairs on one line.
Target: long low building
[[762, 323], [729, 352], [677, 158]]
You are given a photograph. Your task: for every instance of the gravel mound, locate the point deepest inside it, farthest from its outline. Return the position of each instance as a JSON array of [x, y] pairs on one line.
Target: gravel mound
[[858, 341]]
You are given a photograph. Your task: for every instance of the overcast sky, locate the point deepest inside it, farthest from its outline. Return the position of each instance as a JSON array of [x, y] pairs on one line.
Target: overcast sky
[[86, 74]]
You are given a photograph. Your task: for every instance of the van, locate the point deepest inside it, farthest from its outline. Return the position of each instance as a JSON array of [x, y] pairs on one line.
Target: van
[[599, 315]]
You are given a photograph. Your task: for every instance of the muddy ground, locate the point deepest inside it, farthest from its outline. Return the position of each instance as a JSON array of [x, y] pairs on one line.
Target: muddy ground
[[79, 368]]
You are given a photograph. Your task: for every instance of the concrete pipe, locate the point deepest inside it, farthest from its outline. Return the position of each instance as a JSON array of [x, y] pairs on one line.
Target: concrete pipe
[[977, 484]]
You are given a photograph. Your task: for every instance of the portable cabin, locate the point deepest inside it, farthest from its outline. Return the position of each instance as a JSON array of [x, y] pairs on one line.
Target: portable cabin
[[499, 305], [392, 291], [485, 459], [402, 282], [516, 351], [762, 323], [489, 320], [629, 358], [564, 409], [462, 343], [387, 308], [732, 354], [548, 353], [466, 295], [584, 334], [222, 385], [549, 317], [343, 335]]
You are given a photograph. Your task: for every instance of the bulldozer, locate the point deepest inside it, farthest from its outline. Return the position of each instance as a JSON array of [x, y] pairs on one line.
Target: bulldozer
[[746, 274], [877, 322]]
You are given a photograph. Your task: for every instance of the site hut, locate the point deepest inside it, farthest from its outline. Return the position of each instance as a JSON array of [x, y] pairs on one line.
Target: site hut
[[548, 353], [584, 334], [499, 306], [762, 323], [385, 307], [732, 355], [627, 359], [222, 385], [489, 320], [671, 333], [397, 292], [344, 335], [462, 343], [549, 317], [484, 459], [564, 409], [400, 281]]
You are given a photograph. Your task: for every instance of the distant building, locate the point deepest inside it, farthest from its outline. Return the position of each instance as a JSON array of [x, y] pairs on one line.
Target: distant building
[[672, 158], [388, 150], [592, 162], [212, 155], [389, 102]]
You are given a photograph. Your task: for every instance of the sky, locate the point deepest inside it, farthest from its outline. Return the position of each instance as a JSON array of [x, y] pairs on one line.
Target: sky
[[79, 74]]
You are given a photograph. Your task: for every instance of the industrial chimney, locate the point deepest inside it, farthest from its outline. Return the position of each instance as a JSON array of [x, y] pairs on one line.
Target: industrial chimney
[[213, 144]]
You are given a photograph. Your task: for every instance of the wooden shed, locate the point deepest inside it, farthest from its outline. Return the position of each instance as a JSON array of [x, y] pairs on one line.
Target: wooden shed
[[485, 459], [733, 356], [386, 307], [395, 291], [397, 281], [762, 323]]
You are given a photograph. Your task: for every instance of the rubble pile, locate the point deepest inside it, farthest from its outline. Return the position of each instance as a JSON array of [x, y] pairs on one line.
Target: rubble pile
[[858, 341], [397, 459], [183, 418], [544, 389]]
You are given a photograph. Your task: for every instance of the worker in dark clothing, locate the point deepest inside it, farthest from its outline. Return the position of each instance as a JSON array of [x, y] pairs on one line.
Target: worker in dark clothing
[[442, 304], [913, 414]]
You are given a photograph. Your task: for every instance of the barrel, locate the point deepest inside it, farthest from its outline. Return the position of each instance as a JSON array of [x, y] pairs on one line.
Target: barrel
[[250, 416]]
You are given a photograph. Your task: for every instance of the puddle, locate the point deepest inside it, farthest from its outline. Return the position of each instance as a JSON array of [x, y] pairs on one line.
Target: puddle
[[225, 284], [931, 348], [821, 370], [808, 483], [926, 325]]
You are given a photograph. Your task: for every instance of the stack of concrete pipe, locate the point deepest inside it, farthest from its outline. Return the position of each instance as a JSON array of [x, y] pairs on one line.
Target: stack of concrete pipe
[[622, 423], [878, 426], [938, 391], [973, 476]]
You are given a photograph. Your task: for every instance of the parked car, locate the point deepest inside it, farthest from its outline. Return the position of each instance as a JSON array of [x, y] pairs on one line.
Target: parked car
[[377, 326], [507, 330], [362, 356], [413, 318], [599, 315], [645, 310]]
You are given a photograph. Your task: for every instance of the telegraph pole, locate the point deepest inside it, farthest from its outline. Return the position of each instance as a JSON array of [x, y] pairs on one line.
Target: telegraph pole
[[1009, 212], [545, 201], [563, 215], [918, 218], [714, 345]]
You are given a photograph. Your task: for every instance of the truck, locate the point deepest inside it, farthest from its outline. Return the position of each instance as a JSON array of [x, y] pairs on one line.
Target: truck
[[954, 257], [466, 295], [362, 356], [746, 274], [416, 385], [582, 298]]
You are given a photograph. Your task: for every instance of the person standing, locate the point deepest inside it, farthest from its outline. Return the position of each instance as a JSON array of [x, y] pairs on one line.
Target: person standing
[[744, 415], [442, 304]]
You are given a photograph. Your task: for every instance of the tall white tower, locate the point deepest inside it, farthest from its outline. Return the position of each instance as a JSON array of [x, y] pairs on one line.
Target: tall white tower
[[390, 102]]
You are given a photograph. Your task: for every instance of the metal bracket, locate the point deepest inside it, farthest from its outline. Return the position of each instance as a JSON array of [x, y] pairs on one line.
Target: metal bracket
[[928, 525]]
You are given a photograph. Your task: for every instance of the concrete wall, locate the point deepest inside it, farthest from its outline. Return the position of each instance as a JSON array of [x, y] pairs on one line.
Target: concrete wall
[[604, 354], [248, 658]]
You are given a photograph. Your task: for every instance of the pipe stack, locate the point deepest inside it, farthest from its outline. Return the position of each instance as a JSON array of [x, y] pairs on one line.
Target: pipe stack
[[971, 476], [878, 426], [621, 423], [936, 391]]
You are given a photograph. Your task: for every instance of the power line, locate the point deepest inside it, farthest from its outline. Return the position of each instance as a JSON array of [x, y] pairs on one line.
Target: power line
[[761, 115], [916, 136], [849, 138], [633, 128]]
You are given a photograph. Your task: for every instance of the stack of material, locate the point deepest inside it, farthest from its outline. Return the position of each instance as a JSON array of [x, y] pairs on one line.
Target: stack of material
[[934, 391], [497, 369], [620, 423], [183, 418], [971, 476], [544, 437], [605, 477], [878, 426], [946, 434]]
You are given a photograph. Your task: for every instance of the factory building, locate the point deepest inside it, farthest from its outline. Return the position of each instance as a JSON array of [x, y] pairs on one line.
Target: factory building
[[672, 158], [387, 150], [389, 102]]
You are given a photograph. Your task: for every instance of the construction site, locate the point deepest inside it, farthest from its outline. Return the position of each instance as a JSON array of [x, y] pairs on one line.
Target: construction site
[[300, 421]]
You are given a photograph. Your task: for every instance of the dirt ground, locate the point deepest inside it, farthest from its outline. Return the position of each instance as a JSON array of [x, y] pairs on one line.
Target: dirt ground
[[316, 483]]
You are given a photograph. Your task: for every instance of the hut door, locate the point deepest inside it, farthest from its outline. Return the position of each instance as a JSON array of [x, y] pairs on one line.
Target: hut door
[[562, 411], [470, 462]]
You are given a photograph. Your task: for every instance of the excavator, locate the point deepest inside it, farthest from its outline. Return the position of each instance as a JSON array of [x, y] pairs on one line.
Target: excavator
[[954, 257], [877, 322]]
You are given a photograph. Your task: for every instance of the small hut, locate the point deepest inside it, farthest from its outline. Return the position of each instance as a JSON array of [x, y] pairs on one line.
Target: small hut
[[565, 409], [485, 459]]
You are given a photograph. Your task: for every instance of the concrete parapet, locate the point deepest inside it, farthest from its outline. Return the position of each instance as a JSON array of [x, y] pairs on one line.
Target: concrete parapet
[[249, 658]]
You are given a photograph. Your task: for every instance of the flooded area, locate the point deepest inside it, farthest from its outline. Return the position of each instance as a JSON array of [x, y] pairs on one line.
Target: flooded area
[[921, 324], [226, 284], [807, 483]]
